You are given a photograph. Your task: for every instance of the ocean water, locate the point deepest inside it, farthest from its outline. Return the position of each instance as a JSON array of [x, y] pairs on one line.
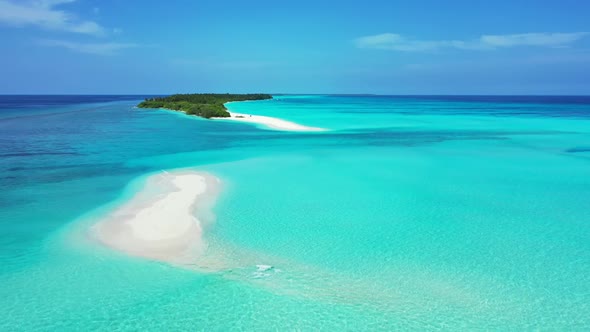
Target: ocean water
[[409, 213]]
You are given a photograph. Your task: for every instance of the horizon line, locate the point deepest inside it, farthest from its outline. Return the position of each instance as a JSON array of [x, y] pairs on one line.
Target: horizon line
[[302, 94]]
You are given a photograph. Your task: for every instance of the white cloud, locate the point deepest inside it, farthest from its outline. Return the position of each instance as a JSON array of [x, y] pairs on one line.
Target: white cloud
[[90, 48], [396, 42], [51, 3], [44, 14], [533, 39]]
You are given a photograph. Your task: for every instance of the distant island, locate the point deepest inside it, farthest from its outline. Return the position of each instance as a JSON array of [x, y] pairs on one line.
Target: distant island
[[206, 105]]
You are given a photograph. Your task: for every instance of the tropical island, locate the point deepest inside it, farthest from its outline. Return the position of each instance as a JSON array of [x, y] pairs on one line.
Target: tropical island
[[206, 105]]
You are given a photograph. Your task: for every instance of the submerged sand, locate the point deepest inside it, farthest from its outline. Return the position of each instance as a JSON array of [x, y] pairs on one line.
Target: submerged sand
[[270, 122], [165, 220]]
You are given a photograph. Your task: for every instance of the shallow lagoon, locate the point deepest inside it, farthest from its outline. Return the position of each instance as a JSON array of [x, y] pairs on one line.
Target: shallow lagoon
[[411, 212]]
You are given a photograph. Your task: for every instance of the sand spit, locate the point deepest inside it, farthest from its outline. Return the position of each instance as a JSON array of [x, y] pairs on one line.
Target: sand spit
[[270, 122], [165, 220]]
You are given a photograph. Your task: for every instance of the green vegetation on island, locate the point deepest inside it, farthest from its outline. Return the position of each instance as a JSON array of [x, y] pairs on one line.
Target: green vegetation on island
[[207, 105]]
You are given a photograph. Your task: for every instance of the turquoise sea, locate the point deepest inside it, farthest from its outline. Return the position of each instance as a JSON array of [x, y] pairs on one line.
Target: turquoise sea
[[409, 213]]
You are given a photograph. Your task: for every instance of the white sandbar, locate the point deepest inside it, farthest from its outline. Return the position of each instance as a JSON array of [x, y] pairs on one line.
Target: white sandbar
[[165, 220], [270, 122]]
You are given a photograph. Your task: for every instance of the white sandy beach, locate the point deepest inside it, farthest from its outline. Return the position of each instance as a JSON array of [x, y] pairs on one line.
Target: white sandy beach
[[270, 122], [165, 220]]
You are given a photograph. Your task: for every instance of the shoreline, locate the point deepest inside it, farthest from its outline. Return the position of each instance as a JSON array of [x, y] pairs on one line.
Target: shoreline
[[265, 122], [269, 122], [165, 220]]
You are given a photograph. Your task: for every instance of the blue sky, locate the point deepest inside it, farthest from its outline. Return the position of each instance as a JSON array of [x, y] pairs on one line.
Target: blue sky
[[369, 46]]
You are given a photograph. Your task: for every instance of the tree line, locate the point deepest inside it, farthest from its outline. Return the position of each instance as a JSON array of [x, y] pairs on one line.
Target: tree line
[[206, 105]]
